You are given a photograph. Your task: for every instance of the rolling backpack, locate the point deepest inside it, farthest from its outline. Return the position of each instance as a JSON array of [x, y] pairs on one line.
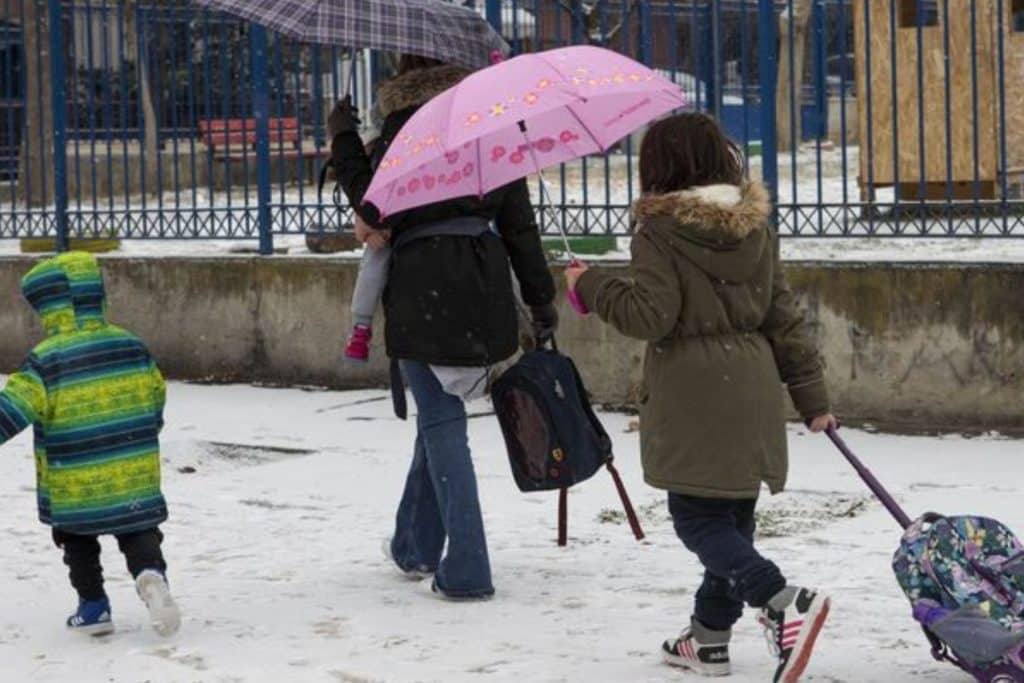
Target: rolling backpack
[[964, 577], [553, 437]]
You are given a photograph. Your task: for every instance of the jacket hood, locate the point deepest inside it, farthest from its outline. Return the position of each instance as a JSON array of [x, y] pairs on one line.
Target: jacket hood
[[67, 292], [417, 87], [720, 228]]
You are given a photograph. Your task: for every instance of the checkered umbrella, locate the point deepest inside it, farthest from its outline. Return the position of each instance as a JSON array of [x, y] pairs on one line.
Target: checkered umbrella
[[428, 28]]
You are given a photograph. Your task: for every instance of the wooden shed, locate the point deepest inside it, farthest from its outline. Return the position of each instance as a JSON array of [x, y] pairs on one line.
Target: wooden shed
[[896, 152]]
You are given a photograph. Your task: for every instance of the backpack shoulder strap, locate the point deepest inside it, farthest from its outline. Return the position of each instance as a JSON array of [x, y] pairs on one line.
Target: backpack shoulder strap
[[563, 517]]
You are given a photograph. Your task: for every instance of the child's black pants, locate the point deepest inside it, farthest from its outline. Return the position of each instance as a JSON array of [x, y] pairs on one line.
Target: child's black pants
[[141, 551]]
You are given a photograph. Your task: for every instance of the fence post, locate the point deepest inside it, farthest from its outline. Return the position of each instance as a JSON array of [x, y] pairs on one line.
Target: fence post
[[646, 39], [717, 72], [706, 49], [261, 112], [579, 28], [768, 67], [493, 12], [58, 85], [820, 71]]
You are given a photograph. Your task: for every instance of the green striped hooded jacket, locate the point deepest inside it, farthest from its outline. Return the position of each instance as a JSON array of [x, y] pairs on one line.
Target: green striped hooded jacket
[[95, 399]]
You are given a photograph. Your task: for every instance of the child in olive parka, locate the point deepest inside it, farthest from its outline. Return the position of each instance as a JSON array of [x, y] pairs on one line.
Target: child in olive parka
[[707, 292]]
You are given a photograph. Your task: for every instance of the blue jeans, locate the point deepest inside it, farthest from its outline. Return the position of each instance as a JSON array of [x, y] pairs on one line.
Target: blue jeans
[[721, 533], [440, 500]]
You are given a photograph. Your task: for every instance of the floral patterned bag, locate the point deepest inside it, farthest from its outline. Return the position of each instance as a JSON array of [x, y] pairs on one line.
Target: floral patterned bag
[[965, 578]]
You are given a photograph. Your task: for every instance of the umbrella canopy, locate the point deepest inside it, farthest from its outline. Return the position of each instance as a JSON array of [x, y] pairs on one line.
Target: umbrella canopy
[[428, 28], [515, 119]]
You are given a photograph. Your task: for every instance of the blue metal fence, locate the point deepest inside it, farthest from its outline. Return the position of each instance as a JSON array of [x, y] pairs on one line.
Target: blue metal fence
[[169, 121]]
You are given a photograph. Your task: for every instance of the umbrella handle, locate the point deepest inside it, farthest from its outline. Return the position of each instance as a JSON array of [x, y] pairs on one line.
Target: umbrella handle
[[576, 302]]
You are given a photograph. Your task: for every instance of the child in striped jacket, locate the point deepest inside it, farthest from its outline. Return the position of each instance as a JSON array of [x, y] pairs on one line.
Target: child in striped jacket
[[95, 398]]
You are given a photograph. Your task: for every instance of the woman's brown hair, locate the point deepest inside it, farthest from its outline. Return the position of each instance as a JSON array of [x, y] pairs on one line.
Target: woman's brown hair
[[407, 63], [688, 150]]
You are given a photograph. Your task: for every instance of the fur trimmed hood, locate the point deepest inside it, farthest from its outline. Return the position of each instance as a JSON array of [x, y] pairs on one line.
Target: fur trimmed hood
[[417, 87], [726, 211]]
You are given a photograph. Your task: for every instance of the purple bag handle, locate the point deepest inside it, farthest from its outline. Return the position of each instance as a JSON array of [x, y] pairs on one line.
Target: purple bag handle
[[876, 486]]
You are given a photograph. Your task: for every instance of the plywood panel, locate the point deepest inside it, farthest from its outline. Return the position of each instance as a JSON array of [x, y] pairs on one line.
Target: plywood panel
[[1013, 59], [897, 152]]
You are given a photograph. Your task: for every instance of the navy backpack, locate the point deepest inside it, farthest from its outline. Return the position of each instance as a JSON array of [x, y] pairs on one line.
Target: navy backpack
[[553, 437]]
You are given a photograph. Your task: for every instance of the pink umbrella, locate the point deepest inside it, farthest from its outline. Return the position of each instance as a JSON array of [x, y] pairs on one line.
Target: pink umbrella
[[517, 118]]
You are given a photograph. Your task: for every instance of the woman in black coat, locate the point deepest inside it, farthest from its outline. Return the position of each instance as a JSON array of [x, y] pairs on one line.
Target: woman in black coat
[[449, 303]]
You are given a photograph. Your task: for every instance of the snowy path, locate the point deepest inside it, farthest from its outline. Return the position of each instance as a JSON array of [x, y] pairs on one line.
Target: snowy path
[[275, 557]]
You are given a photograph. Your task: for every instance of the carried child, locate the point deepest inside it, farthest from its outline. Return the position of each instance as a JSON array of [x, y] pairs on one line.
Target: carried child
[[707, 292], [95, 398], [370, 284]]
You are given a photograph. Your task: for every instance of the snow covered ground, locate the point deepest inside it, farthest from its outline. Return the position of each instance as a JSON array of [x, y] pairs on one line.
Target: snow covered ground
[[280, 499]]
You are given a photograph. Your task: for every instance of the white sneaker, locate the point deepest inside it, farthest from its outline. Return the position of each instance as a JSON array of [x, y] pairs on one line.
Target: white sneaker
[[412, 574], [164, 615], [429, 587]]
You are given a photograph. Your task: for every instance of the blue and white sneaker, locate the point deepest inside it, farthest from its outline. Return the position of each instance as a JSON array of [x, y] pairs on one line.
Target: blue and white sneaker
[[164, 615], [92, 618]]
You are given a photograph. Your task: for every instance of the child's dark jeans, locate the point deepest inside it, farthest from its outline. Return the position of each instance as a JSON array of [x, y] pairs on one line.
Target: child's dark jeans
[[721, 533], [82, 556]]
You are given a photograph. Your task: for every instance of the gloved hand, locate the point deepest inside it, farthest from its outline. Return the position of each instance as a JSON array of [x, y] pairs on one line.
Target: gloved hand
[[545, 322], [344, 118]]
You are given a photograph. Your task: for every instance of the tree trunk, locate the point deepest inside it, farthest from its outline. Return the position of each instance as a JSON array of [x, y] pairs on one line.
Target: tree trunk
[[37, 140], [151, 141], [789, 91]]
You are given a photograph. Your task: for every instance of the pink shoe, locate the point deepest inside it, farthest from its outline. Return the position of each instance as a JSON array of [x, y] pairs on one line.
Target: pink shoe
[[358, 347]]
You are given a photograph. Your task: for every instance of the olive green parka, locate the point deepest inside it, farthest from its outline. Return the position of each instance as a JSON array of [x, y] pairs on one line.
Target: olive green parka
[[707, 292]]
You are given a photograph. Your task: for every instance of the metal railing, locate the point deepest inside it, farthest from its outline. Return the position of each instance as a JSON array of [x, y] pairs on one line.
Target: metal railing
[[863, 117]]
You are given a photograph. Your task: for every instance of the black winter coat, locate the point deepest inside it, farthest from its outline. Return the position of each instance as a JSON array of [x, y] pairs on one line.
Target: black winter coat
[[449, 300]]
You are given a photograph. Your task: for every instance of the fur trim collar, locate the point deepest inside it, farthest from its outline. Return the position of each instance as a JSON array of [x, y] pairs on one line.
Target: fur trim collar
[[417, 87], [727, 210]]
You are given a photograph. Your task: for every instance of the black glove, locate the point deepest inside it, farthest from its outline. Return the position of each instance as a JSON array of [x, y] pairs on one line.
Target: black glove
[[545, 322], [343, 119]]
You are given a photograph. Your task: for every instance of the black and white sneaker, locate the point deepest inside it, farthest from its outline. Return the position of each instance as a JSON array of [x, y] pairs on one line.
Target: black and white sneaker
[[700, 650], [792, 621]]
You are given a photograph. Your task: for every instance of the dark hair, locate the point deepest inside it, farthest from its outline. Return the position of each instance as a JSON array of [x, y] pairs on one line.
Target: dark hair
[[407, 63], [688, 150]]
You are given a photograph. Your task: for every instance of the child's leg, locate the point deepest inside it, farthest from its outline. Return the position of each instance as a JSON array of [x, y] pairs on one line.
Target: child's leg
[[720, 532], [373, 277], [146, 564], [142, 551], [82, 557]]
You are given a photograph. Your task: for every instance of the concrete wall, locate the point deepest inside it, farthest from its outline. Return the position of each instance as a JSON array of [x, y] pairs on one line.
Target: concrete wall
[[911, 346]]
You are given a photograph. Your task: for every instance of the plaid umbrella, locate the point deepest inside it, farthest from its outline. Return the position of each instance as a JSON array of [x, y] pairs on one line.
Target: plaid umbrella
[[428, 28]]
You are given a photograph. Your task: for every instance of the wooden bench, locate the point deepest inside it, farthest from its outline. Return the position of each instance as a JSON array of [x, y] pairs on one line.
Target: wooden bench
[[232, 139], [230, 145]]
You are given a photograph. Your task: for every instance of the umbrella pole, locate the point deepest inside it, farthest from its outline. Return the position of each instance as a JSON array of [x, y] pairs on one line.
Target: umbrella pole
[[545, 198], [351, 71]]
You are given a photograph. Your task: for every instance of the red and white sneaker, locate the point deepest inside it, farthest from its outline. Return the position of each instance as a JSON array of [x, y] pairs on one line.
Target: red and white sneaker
[[793, 629], [358, 347], [699, 650]]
